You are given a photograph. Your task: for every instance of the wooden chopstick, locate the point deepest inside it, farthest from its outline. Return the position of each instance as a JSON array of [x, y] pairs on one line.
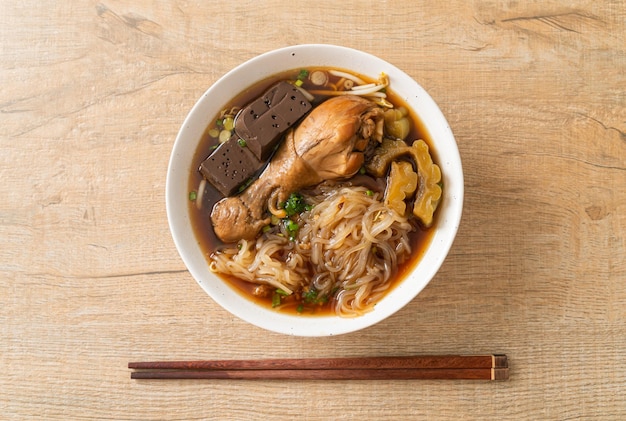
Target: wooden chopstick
[[417, 361], [470, 367], [333, 374]]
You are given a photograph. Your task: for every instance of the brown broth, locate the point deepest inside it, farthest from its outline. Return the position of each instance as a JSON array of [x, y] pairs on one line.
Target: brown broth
[[201, 221]]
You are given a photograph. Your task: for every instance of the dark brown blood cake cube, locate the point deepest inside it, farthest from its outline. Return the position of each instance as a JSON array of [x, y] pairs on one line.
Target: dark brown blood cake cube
[[230, 166], [262, 122]]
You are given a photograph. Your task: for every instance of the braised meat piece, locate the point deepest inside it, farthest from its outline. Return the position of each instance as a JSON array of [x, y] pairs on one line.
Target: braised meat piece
[[262, 122]]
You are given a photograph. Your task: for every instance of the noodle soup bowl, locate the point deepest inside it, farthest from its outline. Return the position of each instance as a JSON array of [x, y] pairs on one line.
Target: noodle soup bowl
[[262, 67]]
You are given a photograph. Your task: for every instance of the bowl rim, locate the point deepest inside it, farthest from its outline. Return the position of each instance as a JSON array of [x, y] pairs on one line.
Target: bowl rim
[[257, 69]]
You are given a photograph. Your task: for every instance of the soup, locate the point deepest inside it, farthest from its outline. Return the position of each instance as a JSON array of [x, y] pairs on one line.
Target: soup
[[338, 195]]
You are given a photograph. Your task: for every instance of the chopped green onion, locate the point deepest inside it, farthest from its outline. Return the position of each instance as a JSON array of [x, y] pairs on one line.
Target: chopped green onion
[[242, 143], [300, 308], [275, 300], [292, 228], [219, 122], [224, 135], [193, 196], [281, 292], [362, 170], [266, 228], [298, 82], [214, 133], [229, 123], [369, 193], [310, 296], [304, 73], [294, 204]]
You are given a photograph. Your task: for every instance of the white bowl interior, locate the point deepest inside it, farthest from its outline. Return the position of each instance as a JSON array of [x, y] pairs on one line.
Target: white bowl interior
[[259, 68]]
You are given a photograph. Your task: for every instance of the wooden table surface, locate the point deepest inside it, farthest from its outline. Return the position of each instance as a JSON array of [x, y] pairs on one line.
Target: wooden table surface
[[92, 96]]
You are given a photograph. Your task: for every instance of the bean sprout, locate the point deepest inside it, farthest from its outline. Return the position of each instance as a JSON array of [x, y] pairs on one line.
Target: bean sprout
[[369, 85], [306, 94], [353, 78], [200, 195]]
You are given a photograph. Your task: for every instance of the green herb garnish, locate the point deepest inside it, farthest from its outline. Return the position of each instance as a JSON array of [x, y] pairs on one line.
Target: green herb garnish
[[193, 196], [291, 227], [309, 296], [295, 204], [312, 297]]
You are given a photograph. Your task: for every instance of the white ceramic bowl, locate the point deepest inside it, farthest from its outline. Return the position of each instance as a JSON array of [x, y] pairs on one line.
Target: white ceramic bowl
[[261, 67]]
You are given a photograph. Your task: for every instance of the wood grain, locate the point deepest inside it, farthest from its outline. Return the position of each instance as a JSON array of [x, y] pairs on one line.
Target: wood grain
[[92, 96]]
